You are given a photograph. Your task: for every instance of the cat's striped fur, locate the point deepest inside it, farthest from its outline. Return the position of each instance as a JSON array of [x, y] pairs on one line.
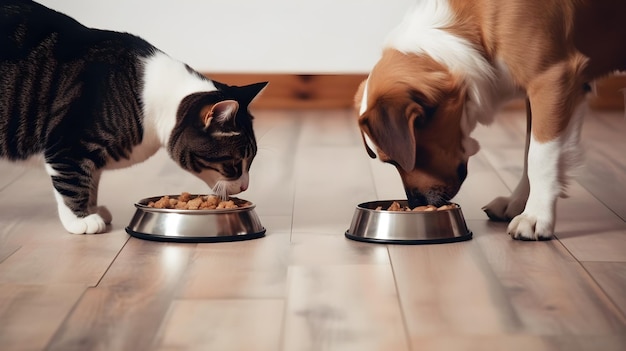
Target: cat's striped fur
[[90, 99]]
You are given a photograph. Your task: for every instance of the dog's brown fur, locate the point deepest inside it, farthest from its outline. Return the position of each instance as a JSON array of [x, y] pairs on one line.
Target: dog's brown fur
[[416, 100], [552, 50]]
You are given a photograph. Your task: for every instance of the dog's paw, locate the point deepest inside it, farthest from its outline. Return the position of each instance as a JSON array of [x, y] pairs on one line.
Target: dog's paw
[[530, 227], [91, 224], [504, 208]]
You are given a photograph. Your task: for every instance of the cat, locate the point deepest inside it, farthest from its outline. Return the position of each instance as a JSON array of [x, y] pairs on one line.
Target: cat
[[91, 99]]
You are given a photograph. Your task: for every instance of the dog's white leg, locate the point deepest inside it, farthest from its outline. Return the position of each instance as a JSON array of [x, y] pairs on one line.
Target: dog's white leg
[[537, 220], [548, 166], [504, 208]]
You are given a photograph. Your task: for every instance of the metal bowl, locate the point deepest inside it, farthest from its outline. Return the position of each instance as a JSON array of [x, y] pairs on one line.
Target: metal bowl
[[176, 225], [407, 227]]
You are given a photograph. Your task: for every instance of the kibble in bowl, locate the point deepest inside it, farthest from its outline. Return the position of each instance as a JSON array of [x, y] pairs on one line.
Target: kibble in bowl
[[186, 201], [395, 206]]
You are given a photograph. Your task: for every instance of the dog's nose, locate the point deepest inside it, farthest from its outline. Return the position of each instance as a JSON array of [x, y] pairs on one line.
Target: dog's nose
[[416, 198], [461, 172]]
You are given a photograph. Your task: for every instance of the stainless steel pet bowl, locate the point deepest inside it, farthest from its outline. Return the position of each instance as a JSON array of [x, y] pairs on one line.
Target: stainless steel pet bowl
[[195, 225], [402, 227]]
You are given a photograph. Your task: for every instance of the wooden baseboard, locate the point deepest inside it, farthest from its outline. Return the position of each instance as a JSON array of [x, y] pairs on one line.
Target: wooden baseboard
[[299, 90], [323, 91], [609, 93]]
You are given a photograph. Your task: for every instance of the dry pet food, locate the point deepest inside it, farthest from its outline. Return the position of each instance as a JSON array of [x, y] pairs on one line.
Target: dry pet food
[[186, 201], [395, 206]]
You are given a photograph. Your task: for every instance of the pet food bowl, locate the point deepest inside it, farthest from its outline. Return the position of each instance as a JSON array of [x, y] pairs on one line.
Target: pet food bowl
[[371, 224], [197, 226]]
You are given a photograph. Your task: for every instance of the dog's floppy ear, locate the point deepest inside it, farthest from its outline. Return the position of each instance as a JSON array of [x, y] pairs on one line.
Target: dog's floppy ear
[[358, 97], [393, 130], [370, 152], [361, 106]]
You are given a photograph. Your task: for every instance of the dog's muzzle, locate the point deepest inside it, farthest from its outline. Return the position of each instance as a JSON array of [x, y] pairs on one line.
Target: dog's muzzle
[[415, 198], [436, 195], [433, 197]]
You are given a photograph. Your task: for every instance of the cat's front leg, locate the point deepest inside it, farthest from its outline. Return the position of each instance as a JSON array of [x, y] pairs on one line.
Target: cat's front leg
[[93, 199], [73, 190]]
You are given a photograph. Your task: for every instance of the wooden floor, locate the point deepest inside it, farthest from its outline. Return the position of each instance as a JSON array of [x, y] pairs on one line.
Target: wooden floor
[[305, 286]]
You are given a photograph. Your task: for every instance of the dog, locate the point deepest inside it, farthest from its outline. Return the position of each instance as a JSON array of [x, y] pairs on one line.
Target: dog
[[450, 64]]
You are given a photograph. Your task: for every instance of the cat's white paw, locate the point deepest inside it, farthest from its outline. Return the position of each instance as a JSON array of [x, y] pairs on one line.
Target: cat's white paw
[[531, 227], [105, 214], [91, 224]]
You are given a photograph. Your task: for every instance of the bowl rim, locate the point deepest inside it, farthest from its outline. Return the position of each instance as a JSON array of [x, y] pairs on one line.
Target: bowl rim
[[362, 206], [452, 239], [195, 239], [143, 205]]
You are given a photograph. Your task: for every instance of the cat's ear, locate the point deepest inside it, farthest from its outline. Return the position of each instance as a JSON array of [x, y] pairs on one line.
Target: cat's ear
[[221, 112], [247, 93], [220, 85], [244, 94]]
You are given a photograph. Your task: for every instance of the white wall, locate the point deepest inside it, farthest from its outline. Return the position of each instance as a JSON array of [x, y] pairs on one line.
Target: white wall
[[234, 36]]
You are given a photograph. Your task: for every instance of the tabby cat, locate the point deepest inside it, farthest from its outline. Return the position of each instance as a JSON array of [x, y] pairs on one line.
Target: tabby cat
[[90, 100]]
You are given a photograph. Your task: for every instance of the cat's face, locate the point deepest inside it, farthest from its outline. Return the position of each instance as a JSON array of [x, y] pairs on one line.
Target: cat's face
[[214, 139]]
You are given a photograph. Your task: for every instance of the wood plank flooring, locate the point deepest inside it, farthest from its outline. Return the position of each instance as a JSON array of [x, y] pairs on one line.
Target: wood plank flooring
[[305, 286]]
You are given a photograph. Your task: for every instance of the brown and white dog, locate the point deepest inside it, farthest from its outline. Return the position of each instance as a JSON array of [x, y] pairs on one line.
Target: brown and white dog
[[451, 63]]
